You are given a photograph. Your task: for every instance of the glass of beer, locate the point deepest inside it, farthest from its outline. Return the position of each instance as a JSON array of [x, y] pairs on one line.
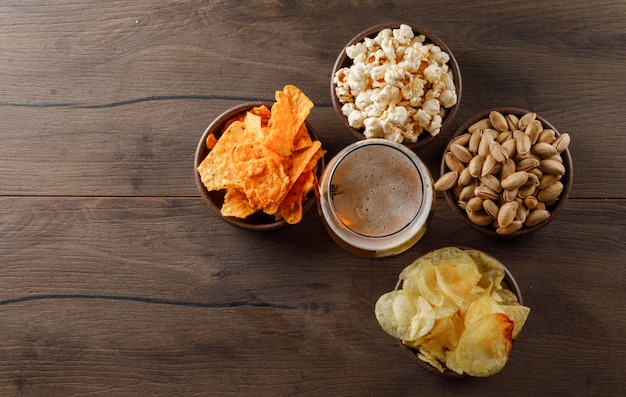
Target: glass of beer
[[376, 198]]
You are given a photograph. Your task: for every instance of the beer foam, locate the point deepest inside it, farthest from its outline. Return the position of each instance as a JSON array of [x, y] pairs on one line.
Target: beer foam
[[376, 191]]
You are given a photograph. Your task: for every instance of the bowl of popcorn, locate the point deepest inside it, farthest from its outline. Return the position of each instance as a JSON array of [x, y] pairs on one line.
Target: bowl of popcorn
[[396, 81], [257, 164], [507, 172], [455, 311]]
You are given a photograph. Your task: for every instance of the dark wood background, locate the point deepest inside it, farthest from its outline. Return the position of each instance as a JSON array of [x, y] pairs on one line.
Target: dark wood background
[[116, 279]]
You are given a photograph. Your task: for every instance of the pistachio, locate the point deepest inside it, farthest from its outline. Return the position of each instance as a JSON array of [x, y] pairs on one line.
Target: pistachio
[[476, 165], [453, 162], [522, 142], [504, 136], [492, 182], [527, 164], [515, 180], [491, 208], [531, 202], [526, 191], [446, 181], [465, 178], [480, 218], [511, 228], [536, 216], [499, 153], [547, 180], [507, 212], [562, 142], [498, 121], [552, 167], [526, 119], [489, 166], [547, 136], [544, 149], [509, 195], [533, 130], [461, 153], [507, 168], [467, 192], [474, 141], [513, 121], [479, 125], [511, 147], [551, 192], [474, 204], [462, 139], [489, 135], [485, 193]]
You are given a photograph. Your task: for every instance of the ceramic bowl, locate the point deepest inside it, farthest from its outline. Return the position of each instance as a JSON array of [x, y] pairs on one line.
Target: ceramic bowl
[[344, 61], [554, 208], [258, 221], [508, 283]]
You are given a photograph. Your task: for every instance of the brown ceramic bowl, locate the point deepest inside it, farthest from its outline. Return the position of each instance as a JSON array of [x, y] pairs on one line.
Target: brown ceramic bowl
[[344, 61], [554, 209], [508, 283], [258, 221]]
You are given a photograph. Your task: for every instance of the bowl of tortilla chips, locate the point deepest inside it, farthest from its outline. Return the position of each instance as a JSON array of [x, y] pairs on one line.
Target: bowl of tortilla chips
[[257, 164]]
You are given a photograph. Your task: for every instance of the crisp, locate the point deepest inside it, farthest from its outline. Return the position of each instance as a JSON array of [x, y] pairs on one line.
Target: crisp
[[265, 159]]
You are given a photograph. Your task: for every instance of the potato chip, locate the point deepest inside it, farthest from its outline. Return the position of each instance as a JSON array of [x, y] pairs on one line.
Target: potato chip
[[403, 318], [474, 314], [484, 346], [265, 159]]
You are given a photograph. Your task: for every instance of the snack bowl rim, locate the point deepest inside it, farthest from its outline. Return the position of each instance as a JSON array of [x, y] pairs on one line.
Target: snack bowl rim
[[214, 199], [343, 61], [567, 178]]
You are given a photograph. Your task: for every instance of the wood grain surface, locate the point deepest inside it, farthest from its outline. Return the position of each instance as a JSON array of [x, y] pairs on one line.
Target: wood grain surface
[[117, 280]]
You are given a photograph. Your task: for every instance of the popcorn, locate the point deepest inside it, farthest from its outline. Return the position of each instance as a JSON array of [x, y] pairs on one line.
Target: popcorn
[[398, 86]]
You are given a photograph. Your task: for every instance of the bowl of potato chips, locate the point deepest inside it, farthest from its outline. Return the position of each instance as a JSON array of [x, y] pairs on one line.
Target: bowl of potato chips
[[257, 164], [507, 172], [396, 81], [455, 311]]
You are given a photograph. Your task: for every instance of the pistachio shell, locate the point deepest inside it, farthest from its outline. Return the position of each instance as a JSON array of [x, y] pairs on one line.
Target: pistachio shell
[[533, 130], [522, 142], [562, 142], [507, 212], [544, 150], [535, 217], [499, 153], [485, 193], [480, 218], [461, 153], [491, 208], [479, 125], [515, 180], [446, 181], [476, 165], [511, 228], [551, 192], [498, 121], [552, 167], [453, 163]]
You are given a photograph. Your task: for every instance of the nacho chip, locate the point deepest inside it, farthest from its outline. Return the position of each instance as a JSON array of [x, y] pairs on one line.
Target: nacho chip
[[292, 107]]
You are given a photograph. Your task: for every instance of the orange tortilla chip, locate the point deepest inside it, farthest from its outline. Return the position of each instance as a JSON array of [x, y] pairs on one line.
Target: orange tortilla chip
[[236, 204], [288, 113]]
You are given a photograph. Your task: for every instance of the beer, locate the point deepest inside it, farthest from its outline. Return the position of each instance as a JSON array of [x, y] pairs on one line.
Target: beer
[[376, 198]]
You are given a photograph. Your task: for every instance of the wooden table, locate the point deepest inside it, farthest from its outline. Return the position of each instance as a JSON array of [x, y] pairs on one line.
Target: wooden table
[[116, 279]]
